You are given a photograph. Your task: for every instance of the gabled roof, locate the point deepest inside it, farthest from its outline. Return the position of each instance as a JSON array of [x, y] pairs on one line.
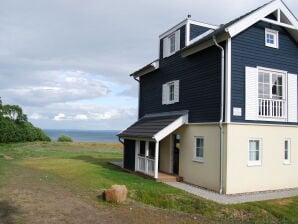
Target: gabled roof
[[285, 18], [156, 126]]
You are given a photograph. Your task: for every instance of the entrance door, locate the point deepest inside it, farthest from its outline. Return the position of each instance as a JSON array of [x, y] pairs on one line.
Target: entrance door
[[176, 149]]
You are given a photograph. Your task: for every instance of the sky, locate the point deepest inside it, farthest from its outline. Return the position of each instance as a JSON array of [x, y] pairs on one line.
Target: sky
[[67, 62]]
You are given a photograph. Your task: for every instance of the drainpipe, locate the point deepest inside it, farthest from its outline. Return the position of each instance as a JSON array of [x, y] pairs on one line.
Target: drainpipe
[[138, 96], [120, 140], [221, 114]]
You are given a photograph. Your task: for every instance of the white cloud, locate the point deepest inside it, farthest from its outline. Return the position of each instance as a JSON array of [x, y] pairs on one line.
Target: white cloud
[[81, 117], [63, 60], [37, 116], [60, 117]]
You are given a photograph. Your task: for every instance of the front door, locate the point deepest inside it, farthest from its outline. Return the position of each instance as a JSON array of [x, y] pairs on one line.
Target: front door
[[176, 149]]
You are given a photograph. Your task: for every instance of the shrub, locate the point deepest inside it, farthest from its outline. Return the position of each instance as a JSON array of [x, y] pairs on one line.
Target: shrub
[[65, 138]]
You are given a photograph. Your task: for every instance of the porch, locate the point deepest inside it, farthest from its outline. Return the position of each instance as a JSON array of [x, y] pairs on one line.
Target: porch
[[149, 146]]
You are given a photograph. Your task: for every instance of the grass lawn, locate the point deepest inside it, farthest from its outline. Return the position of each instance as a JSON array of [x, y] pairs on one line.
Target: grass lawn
[[83, 168]]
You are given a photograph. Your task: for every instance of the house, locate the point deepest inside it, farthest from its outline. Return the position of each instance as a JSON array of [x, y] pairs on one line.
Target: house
[[219, 106]]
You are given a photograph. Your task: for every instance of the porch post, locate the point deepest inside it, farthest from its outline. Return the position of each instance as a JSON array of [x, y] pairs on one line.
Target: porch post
[[156, 160]]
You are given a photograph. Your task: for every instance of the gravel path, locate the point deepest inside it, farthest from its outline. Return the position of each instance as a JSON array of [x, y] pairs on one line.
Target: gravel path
[[237, 198]]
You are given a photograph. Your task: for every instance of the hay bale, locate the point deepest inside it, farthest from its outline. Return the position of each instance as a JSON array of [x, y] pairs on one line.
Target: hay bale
[[117, 193]]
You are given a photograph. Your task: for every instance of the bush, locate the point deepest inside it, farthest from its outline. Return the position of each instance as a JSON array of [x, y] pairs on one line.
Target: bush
[[65, 138]]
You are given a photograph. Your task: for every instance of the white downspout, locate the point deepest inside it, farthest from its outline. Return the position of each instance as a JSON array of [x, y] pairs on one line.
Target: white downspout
[[221, 114]]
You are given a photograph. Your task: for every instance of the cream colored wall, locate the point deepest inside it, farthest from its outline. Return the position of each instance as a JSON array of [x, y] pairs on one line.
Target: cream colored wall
[[165, 155], [204, 174], [273, 173]]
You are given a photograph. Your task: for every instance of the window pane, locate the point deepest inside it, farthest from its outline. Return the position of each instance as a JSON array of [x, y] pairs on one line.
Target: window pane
[[171, 89], [254, 152], [200, 147], [266, 78], [172, 43], [142, 148], [152, 149]]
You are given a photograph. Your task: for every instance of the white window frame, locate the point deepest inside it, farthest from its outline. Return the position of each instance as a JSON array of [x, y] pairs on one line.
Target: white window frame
[[255, 162], [166, 92], [288, 160], [168, 44], [275, 38], [197, 158], [284, 75]]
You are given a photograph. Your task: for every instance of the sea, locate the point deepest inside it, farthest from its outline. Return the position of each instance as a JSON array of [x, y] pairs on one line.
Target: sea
[[85, 135]]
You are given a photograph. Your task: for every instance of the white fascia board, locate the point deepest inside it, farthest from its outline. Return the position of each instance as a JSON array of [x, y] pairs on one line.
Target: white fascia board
[[258, 15], [208, 43], [168, 32], [147, 69], [203, 24], [171, 127]]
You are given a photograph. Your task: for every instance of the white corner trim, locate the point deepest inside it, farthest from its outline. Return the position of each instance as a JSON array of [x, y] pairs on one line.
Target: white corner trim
[[187, 33], [259, 14], [228, 67], [171, 127]]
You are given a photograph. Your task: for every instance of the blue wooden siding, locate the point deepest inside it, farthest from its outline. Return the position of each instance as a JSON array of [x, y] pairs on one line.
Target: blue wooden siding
[[196, 31], [248, 49], [199, 77], [182, 37]]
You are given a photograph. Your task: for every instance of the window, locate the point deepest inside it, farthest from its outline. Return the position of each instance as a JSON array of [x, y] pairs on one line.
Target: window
[[271, 94], [151, 149], [171, 44], [199, 149], [170, 92], [254, 154], [287, 151], [142, 148], [271, 38]]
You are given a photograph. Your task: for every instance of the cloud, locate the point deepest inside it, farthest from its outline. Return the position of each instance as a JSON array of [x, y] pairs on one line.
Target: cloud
[[67, 62]]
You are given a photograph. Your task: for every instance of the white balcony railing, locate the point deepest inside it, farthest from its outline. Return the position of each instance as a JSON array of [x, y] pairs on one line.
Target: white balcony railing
[[272, 108], [145, 165]]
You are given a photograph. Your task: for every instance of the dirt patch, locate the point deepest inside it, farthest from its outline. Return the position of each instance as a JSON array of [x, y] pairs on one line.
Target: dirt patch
[[284, 201], [31, 199], [6, 157]]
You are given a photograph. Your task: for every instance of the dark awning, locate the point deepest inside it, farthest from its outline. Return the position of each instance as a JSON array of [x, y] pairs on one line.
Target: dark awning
[[155, 126]]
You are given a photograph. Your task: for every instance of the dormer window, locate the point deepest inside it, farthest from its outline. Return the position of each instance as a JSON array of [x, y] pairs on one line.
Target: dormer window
[[271, 38], [171, 44]]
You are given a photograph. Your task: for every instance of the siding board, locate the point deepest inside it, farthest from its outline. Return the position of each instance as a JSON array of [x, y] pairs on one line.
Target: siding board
[[198, 75], [248, 49]]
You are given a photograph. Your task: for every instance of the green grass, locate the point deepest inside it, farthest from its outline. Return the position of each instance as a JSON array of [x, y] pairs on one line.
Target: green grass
[[84, 168]]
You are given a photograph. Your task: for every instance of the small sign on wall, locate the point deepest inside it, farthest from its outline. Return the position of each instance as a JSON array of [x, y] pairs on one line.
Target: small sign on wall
[[237, 111]]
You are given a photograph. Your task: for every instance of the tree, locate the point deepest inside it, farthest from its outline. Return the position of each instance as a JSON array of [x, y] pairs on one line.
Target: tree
[[14, 126]]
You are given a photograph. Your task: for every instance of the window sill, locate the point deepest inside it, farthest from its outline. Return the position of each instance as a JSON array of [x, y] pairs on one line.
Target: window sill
[[198, 160], [256, 163], [287, 163]]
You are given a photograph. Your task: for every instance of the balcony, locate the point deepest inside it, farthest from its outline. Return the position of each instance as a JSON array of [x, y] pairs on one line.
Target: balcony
[[272, 108]]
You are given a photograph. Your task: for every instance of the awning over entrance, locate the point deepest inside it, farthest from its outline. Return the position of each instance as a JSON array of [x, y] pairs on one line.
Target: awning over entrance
[[156, 126]]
